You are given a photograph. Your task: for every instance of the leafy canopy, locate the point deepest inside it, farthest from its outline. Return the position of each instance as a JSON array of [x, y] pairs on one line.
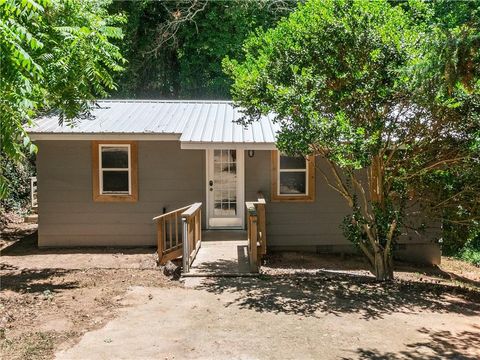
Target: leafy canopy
[[329, 72], [388, 88], [54, 54]]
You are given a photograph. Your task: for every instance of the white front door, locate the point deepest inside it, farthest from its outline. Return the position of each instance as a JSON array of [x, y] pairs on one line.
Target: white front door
[[225, 188]]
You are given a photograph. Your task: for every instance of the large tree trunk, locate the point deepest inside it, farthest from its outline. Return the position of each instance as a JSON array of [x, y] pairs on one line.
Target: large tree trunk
[[383, 266]]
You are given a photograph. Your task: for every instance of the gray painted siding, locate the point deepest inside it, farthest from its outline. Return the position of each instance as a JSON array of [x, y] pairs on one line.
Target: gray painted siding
[[168, 177], [296, 224], [315, 226]]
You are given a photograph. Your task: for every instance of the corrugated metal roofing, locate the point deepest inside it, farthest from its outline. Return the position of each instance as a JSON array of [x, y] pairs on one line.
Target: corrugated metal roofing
[[192, 121]]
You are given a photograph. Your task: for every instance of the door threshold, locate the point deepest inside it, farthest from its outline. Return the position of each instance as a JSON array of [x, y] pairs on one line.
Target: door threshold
[[220, 274], [231, 228]]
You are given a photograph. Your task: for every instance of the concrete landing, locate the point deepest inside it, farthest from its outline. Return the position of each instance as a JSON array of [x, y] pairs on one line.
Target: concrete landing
[[223, 253]]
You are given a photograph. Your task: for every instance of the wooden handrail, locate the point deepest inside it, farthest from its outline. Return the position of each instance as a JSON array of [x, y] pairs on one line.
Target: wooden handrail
[[191, 210], [171, 212], [192, 230], [178, 232], [261, 198], [256, 231]]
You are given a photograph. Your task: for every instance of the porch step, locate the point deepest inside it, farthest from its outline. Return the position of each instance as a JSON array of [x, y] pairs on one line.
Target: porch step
[[207, 274], [225, 258]]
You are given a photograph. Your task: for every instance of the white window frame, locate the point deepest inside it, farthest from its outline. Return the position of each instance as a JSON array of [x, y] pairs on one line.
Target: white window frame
[[280, 170], [101, 169]]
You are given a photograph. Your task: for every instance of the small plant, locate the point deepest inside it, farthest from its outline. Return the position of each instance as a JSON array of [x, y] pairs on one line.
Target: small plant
[[471, 251]]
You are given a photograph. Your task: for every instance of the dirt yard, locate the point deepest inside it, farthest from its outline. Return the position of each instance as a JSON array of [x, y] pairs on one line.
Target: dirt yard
[[111, 303], [50, 298]]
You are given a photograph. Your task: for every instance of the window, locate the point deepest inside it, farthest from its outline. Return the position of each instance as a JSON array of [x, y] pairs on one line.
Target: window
[[114, 171], [293, 178]]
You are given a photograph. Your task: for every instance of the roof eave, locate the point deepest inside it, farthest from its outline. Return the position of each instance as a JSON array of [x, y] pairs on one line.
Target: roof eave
[[202, 145], [39, 136]]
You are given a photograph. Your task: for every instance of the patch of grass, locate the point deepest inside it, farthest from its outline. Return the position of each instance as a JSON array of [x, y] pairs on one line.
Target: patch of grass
[[34, 345], [471, 256], [471, 251]]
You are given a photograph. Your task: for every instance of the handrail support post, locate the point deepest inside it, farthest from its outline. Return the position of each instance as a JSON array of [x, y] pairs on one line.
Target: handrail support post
[[186, 246]]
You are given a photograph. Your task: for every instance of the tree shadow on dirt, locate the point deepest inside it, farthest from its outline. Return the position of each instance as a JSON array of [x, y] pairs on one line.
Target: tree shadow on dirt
[[225, 266], [34, 280], [437, 345], [330, 293], [355, 262]]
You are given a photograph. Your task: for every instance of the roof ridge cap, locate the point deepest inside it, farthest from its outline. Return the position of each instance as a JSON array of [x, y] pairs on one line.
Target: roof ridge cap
[[193, 101]]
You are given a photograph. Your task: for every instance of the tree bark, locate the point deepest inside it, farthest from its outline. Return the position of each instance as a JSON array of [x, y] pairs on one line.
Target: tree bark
[[383, 266]]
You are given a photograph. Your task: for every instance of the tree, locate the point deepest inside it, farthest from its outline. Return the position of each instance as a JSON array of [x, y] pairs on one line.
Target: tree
[[446, 81], [54, 54], [342, 78], [175, 48]]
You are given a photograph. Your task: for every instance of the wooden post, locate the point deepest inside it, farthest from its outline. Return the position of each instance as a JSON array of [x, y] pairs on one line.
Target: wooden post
[[186, 245], [160, 240], [170, 232], [176, 229], [253, 243], [262, 228]]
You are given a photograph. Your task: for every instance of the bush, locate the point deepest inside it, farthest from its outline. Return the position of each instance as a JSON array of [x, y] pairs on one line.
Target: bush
[[17, 176], [471, 251]]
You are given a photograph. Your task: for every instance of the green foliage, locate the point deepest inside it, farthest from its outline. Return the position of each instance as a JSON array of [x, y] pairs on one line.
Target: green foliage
[[188, 65], [471, 250], [390, 88], [447, 78], [321, 68], [55, 54], [18, 184]]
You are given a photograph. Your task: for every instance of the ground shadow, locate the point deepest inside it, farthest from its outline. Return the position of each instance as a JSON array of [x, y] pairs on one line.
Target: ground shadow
[[33, 280], [326, 292], [224, 266], [28, 245], [354, 262], [437, 345]]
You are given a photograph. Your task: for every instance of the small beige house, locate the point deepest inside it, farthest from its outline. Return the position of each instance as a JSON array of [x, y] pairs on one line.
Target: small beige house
[[101, 181]]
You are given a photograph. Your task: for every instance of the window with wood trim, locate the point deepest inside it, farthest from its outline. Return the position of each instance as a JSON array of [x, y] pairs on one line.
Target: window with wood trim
[[114, 170], [293, 178]]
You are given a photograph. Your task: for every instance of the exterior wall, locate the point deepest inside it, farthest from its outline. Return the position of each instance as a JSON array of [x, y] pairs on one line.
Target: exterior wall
[[304, 224], [167, 177], [315, 226]]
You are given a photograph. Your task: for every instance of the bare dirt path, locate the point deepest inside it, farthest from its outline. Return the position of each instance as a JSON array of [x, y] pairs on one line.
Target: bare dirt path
[[284, 318], [50, 297], [114, 304]]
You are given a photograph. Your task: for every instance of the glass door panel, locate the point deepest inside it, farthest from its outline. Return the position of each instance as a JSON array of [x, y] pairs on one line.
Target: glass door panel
[[224, 186]]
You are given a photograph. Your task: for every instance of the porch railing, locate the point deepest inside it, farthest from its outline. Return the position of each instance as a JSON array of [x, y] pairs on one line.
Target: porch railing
[[256, 232], [192, 230], [179, 233]]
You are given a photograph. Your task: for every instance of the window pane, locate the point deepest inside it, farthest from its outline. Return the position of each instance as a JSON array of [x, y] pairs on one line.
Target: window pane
[[114, 157], [115, 182], [292, 162], [293, 183]]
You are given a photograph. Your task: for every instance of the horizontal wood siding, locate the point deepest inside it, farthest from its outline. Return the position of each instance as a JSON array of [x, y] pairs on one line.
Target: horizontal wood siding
[[168, 177]]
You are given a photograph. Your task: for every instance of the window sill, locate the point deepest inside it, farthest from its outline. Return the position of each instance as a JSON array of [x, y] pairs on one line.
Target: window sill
[[298, 199], [115, 198]]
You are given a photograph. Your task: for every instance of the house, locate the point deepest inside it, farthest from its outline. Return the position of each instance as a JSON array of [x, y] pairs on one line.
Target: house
[[101, 181]]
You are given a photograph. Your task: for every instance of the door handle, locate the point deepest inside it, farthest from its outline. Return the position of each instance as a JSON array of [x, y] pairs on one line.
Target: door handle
[[210, 183]]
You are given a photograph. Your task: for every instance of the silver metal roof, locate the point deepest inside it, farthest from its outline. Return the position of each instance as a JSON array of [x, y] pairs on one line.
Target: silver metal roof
[[192, 121]]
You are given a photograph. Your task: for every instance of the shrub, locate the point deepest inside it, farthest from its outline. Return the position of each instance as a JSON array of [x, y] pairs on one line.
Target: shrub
[[471, 251]]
